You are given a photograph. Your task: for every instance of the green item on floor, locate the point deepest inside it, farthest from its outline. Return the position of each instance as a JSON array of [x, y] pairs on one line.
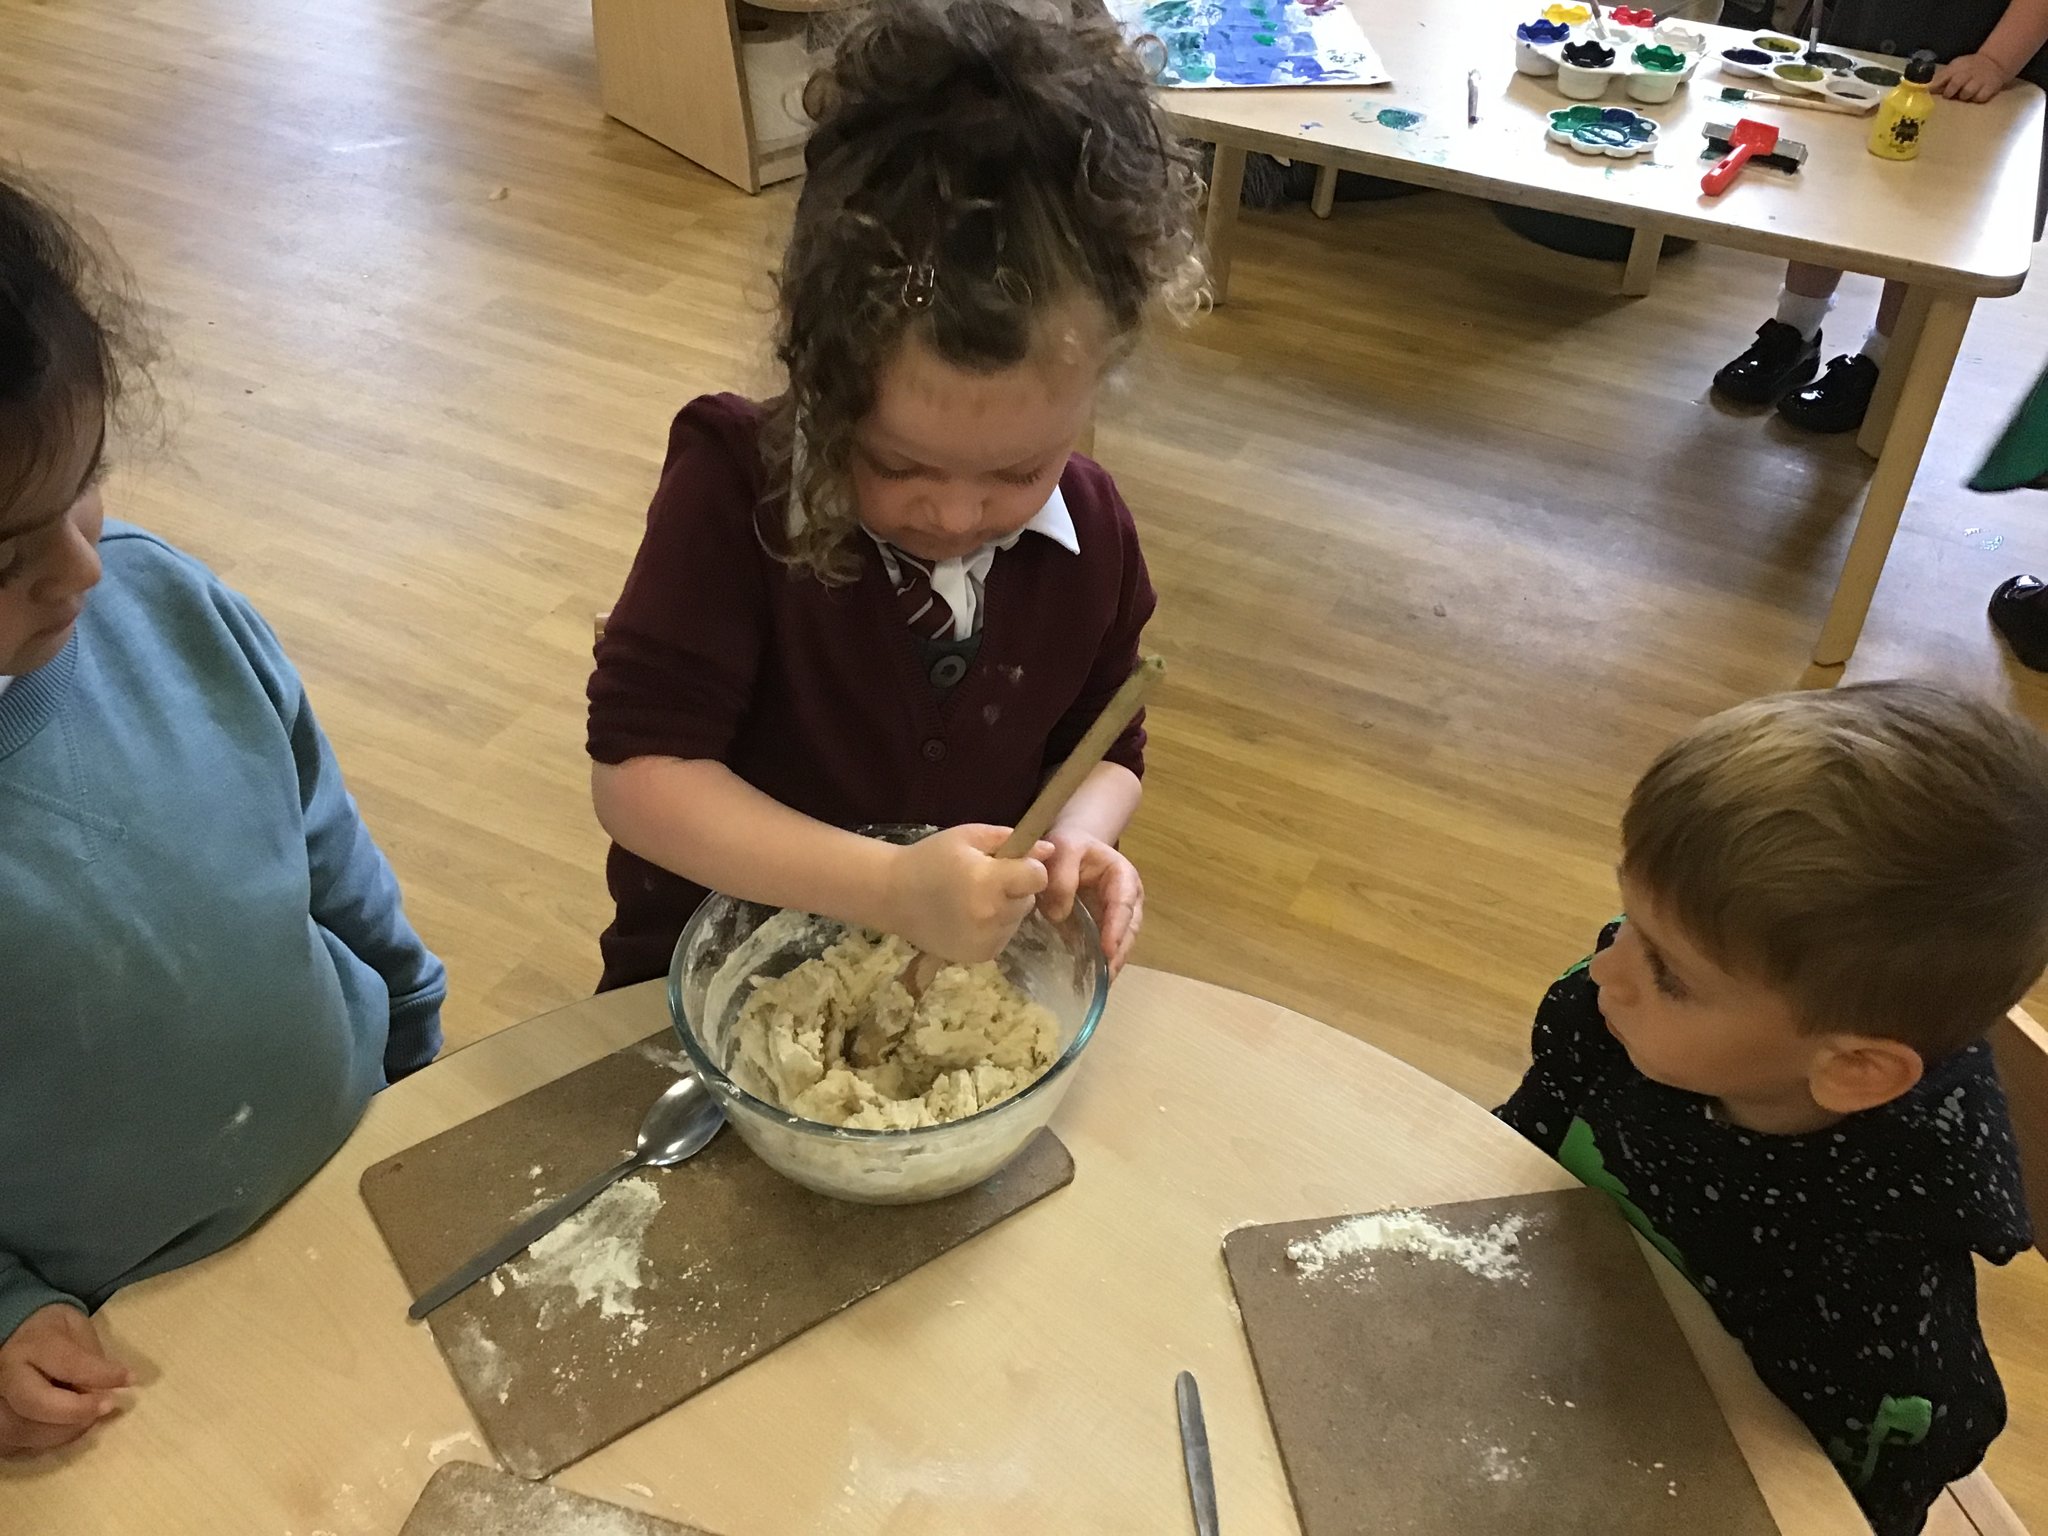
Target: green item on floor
[[2019, 459]]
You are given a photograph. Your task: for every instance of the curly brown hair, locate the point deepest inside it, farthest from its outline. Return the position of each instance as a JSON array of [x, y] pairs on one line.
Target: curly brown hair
[[974, 163], [74, 342]]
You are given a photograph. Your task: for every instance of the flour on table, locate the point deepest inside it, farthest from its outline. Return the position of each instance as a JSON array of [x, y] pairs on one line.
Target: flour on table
[[596, 1256], [1498, 1465], [479, 1361], [1490, 1254], [545, 1510], [647, 1050], [439, 1450], [841, 1040]]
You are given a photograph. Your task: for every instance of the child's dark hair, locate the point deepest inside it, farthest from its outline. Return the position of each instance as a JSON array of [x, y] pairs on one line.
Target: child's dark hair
[[73, 347], [974, 163]]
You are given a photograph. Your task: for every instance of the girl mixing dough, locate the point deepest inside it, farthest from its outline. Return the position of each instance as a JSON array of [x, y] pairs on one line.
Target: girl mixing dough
[[892, 593]]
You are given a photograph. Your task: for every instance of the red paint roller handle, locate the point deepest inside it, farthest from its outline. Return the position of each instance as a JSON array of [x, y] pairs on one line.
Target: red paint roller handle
[[1726, 169]]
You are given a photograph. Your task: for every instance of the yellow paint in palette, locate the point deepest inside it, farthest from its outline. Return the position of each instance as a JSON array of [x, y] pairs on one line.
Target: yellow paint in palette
[[1566, 15]]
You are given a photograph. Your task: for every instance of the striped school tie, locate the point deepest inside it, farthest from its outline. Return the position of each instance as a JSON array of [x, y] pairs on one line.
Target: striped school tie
[[942, 601]]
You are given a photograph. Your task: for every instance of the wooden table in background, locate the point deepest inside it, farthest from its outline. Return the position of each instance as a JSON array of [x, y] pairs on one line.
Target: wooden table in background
[[1957, 224], [1023, 1383]]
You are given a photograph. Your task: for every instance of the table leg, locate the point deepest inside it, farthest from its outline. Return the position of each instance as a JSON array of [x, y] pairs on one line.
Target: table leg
[[1641, 271], [1226, 191], [1944, 318], [1326, 192], [1898, 361]]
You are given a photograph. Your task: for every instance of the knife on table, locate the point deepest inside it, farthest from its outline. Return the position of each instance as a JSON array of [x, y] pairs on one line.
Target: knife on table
[[1194, 1450]]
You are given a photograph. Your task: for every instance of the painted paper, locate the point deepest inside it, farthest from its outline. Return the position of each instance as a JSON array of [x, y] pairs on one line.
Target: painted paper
[[1237, 44]]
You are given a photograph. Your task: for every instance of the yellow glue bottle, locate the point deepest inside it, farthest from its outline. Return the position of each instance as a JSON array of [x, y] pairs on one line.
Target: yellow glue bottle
[[1902, 117]]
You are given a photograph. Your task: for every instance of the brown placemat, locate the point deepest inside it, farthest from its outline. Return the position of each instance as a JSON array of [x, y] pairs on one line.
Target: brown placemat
[[733, 1258], [1409, 1394], [464, 1499]]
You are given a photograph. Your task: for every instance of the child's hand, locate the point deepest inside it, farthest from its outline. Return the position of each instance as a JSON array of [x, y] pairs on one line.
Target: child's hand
[[951, 899], [56, 1382], [1973, 77], [1108, 882]]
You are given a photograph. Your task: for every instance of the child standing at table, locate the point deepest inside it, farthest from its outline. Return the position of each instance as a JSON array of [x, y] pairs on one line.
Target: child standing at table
[[1776, 1064], [1985, 46], [205, 970], [893, 593]]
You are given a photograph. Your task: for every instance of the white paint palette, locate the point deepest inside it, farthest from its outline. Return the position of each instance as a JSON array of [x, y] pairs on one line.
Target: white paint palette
[[1854, 83], [1613, 133], [1640, 57]]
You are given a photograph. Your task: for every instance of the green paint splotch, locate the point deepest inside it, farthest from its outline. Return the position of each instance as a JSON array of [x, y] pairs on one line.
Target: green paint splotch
[[1400, 119]]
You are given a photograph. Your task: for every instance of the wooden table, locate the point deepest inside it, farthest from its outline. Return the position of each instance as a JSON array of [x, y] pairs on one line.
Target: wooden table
[[1023, 1383], [1957, 224]]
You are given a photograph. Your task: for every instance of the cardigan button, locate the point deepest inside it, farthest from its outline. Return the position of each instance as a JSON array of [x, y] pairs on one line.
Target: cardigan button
[[935, 751], [948, 670]]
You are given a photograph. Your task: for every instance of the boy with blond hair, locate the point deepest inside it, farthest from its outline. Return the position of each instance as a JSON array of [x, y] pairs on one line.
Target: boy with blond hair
[[1776, 1063]]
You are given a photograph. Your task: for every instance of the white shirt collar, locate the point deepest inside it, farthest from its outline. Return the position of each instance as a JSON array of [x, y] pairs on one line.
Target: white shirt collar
[[1056, 523], [1052, 520], [959, 582]]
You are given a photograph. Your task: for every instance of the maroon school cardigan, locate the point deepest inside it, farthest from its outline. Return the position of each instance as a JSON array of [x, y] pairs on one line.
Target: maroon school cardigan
[[818, 695]]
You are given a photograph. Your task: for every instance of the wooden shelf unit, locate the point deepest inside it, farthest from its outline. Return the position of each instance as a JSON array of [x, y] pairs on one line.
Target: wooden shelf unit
[[689, 75]]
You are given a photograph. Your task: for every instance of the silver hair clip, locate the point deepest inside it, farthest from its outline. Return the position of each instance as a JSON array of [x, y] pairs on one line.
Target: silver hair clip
[[920, 287]]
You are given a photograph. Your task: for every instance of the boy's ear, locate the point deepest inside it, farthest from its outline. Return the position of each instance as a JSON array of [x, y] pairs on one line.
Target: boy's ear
[[1858, 1072]]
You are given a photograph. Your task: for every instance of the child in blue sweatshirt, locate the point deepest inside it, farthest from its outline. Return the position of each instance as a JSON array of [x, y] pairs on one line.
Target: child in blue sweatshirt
[[1775, 1064], [205, 968]]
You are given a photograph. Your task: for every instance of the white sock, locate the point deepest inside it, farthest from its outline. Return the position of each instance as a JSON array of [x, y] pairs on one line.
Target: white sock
[[1875, 345], [1802, 313]]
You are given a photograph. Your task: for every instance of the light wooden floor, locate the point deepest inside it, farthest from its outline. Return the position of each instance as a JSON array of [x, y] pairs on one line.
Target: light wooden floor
[[1448, 538]]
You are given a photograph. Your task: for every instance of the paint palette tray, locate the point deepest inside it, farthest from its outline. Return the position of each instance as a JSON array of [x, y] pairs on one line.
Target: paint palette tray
[[1785, 64], [1613, 132], [1584, 60]]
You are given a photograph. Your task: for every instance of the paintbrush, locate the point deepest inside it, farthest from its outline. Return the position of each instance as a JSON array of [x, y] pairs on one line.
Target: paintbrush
[[1736, 93], [1785, 155]]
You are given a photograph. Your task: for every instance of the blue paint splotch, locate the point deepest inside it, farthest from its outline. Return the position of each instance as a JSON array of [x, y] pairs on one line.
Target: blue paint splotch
[[1255, 43], [1247, 42]]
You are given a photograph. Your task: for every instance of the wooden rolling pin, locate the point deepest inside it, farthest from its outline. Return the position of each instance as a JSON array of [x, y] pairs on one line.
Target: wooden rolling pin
[[1039, 816]]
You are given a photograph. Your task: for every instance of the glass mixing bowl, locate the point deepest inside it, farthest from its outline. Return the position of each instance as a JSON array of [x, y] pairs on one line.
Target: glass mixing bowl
[[729, 942]]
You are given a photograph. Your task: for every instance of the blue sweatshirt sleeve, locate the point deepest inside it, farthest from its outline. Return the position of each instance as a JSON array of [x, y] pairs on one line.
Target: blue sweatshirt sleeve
[[23, 1291], [355, 894]]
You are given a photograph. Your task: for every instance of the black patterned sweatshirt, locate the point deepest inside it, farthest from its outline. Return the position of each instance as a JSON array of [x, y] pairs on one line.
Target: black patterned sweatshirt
[[1840, 1258]]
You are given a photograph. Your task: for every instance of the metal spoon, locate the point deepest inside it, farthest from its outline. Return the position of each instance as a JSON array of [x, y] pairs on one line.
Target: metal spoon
[[681, 1121]]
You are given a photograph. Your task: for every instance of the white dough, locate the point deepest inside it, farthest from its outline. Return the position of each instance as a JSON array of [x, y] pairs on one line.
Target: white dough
[[841, 1040]]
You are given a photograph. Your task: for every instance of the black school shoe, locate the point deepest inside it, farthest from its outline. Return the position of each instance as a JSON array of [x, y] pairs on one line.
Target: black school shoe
[[1835, 402], [1779, 359], [2019, 611]]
